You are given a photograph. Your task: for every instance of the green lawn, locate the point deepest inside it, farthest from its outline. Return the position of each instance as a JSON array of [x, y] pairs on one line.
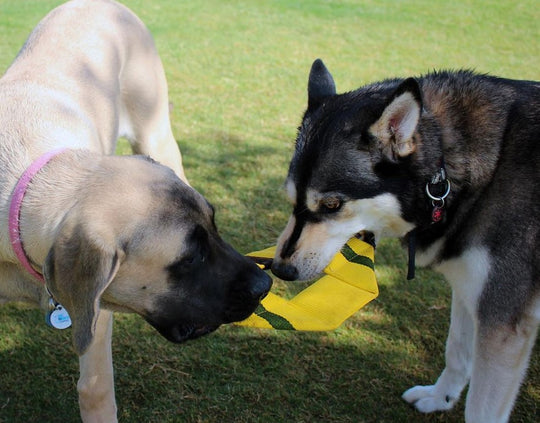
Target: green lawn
[[237, 74]]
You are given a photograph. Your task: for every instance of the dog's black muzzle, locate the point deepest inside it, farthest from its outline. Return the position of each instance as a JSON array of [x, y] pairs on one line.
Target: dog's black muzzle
[[245, 297], [224, 287]]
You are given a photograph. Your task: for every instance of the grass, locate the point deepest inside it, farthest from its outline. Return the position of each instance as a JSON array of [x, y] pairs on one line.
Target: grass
[[237, 72]]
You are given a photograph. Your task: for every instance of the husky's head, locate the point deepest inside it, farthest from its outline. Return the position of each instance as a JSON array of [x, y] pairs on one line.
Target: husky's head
[[351, 170]]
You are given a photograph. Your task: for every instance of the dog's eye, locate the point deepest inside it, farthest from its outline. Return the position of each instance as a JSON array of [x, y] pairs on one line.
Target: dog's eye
[[186, 264], [194, 259], [331, 204]]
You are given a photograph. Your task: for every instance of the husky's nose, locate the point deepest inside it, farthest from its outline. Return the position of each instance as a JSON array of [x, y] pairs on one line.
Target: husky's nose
[[261, 286], [284, 271]]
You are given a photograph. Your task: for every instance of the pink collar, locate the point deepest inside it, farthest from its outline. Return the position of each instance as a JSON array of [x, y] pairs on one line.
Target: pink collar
[[15, 209]]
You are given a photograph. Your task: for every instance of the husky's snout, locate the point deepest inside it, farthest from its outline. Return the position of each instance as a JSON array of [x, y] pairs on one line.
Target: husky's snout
[[284, 270]]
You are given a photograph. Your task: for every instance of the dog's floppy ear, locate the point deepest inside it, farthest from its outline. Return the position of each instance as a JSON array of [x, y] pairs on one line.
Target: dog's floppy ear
[[320, 86], [397, 124], [77, 270]]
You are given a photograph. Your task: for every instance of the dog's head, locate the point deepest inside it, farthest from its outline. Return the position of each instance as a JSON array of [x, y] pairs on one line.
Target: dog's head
[[352, 170], [140, 240]]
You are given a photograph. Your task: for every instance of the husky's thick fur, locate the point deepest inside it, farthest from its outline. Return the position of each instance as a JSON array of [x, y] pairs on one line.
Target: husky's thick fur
[[450, 163]]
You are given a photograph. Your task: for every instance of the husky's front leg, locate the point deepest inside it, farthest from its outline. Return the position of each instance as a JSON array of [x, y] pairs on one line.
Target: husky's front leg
[[501, 357], [446, 391]]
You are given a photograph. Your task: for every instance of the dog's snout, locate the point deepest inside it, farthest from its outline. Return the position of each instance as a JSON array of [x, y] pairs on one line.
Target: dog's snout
[[261, 286], [285, 271]]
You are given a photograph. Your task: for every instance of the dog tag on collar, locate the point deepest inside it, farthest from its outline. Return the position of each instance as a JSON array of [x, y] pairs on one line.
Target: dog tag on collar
[[437, 214], [58, 317]]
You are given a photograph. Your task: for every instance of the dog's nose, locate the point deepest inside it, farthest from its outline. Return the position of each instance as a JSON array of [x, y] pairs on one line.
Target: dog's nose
[[284, 271], [261, 286]]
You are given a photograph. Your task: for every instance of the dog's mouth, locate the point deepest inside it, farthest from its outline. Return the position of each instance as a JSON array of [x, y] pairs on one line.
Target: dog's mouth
[[288, 270], [366, 236], [184, 332]]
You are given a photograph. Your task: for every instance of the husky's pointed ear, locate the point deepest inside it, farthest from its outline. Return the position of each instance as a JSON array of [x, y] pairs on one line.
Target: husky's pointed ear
[[320, 85], [77, 271], [397, 124]]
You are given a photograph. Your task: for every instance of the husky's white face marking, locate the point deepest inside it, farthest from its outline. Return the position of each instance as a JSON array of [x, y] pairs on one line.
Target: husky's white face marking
[[319, 241], [315, 248], [291, 190], [380, 215]]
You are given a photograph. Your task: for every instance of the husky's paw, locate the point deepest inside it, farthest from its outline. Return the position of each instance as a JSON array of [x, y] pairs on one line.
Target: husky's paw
[[427, 399]]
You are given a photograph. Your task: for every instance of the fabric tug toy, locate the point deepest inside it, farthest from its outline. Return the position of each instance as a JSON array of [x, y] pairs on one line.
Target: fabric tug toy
[[348, 285]]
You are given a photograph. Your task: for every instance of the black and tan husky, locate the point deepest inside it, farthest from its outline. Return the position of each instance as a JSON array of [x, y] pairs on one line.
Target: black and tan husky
[[450, 163]]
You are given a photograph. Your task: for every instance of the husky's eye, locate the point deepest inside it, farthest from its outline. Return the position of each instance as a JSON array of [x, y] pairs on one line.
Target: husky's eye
[[331, 204]]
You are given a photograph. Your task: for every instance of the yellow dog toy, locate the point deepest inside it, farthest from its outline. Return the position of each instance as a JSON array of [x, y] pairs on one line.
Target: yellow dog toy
[[348, 284]]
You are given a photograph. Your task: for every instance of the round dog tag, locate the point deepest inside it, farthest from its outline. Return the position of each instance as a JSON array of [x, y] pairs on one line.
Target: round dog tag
[[59, 318]]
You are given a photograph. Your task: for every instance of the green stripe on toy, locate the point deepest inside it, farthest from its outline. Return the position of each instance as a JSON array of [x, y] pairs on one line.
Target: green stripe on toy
[[348, 284], [353, 257], [276, 321]]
